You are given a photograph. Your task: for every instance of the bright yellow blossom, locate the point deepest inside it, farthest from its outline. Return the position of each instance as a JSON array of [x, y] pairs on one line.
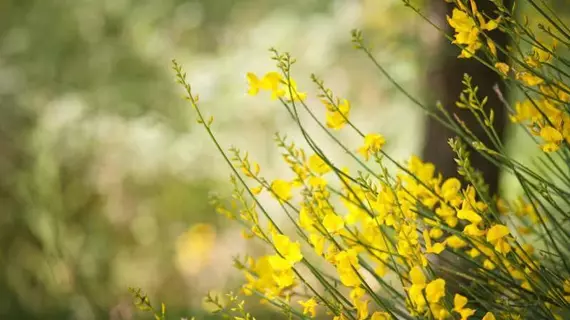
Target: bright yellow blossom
[[318, 243], [333, 223], [373, 143], [271, 81], [537, 57], [496, 236], [309, 307], [455, 242], [337, 117], [291, 93], [469, 215], [281, 189], [502, 67], [318, 165], [489, 316], [467, 31], [380, 316], [529, 79], [459, 303], [473, 231], [552, 137], [289, 253], [418, 280], [435, 290], [437, 248], [362, 309], [346, 262]]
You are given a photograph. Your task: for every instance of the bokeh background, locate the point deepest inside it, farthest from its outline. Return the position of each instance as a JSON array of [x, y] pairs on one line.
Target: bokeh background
[[104, 176]]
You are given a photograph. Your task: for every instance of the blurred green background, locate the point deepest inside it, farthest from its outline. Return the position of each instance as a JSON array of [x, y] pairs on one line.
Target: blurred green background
[[103, 174]]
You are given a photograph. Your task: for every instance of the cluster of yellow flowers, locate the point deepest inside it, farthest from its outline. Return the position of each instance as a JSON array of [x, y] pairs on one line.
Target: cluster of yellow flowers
[[468, 27], [544, 115], [356, 233], [360, 233]]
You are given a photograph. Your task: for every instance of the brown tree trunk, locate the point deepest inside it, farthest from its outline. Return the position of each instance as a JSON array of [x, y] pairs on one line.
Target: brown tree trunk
[[445, 74], [444, 83]]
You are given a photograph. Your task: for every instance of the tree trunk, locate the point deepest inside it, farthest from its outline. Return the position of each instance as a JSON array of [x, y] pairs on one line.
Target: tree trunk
[[445, 74]]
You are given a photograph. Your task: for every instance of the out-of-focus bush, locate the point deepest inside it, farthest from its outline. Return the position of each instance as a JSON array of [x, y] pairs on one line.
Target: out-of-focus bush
[[102, 174]]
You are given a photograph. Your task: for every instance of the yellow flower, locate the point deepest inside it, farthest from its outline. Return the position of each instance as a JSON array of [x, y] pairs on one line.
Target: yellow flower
[[292, 94], [439, 312], [317, 182], [455, 242], [435, 233], [489, 316], [488, 264], [318, 243], [467, 31], [529, 79], [437, 248], [538, 57], [496, 236], [373, 143], [254, 83], [309, 307], [290, 253], [356, 294], [194, 248], [318, 165], [459, 302], [284, 278], [450, 188], [271, 81], [461, 21], [380, 316], [418, 284], [502, 67], [346, 262], [552, 137], [435, 290], [469, 215], [525, 111], [362, 309], [497, 232], [337, 117], [281, 190], [333, 223], [473, 231], [306, 220]]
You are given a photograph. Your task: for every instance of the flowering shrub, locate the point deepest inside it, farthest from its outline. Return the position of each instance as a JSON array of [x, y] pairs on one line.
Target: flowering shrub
[[373, 243]]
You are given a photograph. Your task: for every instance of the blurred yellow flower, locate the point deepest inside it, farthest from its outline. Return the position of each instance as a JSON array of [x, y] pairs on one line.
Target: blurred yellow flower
[[333, 223], [373, 143], [529, 79], [489, 316], [337, 116], [380, 316], [318, 165], [309, 307], [271, 81], [281, 189], [552, 137], [289, 253], [435, 290], [502, 67], [459, 303], [194, 248]]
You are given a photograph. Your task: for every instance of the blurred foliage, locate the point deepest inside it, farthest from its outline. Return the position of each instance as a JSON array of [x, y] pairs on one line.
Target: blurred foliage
[[82, 85]]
